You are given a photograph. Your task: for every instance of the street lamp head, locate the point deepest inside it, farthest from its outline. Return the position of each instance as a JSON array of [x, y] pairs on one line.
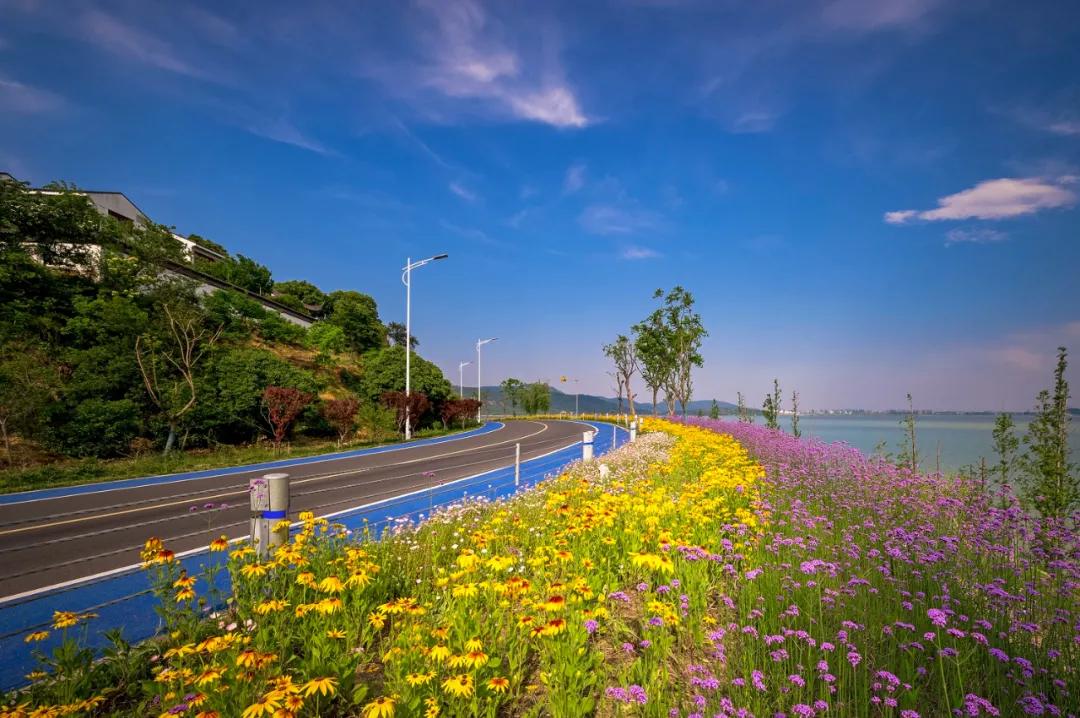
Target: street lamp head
[[482, 342], [440, 256]]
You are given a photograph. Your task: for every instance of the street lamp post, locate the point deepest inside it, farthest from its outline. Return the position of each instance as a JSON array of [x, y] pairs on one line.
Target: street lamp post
[[480, 343], [461, 377], [406, 279]]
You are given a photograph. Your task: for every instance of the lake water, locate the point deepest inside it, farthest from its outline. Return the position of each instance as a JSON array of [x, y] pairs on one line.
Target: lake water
[[962, 438]]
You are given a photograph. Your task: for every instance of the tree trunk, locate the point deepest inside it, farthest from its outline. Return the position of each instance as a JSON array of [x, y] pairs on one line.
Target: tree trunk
[[169, 442], [7, 443], [654, 401]]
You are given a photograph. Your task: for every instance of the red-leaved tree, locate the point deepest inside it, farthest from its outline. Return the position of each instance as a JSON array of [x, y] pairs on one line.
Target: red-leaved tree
[[417, 402], [460, 410], [280, 407], [341, 414]]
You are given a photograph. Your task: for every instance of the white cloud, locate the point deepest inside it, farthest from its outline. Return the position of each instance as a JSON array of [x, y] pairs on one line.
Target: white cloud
[[122, 39], [17, 97], [1065, 127], [464, 192], [634, 252], [283, 131], [977, 235], [995, 199], [466, 57], [611, 219], [872, 15], [754, 121], [575, 178]]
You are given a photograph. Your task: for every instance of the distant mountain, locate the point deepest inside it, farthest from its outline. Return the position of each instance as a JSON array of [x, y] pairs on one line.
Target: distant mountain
[[495, 403]]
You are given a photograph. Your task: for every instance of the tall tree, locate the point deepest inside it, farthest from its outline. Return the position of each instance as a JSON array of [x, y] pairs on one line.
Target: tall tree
[[653, 346], [358, 316], [714, 410], [618, 387], [685, 332], [167, 364], [536, 398], [623, 353], [908, 456], [770, 408], [795, 414], [512, 392], [1052, 484], [744, 415], [1007, 448]]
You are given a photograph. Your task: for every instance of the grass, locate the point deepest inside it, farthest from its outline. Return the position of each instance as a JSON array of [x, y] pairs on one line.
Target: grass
[[73, 472]]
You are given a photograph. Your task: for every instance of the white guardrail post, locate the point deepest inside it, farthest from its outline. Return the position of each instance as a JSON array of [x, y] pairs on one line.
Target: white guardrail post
[[633, 431], [587, 446], [517, 465], [269, 505]]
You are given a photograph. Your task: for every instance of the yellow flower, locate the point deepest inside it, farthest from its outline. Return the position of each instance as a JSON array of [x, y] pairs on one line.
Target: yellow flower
[[433, 709], [220, 543], [554, 603], [36, 636], [294, 702], [653, 562], [439, 653], [358, 579], [252, 570], [498, 684], [185, 594], [184, 581], [209, 676], [460, 685], [264, 706], [476, 659], [473, 644], [336, 633], [381, 707], [377, 620], [306, 516], [307, 578], [324, 686], [64, 619], [331, 584], [419, 679], [270, 606]]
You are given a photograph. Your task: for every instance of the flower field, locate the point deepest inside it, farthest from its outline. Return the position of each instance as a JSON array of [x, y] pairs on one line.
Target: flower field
[[709, 569]]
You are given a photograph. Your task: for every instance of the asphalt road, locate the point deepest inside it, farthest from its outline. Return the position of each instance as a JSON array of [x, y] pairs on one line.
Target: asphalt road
[[53, 540]]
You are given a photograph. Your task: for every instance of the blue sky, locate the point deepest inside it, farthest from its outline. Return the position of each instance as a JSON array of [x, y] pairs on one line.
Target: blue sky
[[867, 198]]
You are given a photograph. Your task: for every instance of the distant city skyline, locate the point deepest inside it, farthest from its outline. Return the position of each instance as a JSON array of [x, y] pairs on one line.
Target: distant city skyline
[[867, 199]]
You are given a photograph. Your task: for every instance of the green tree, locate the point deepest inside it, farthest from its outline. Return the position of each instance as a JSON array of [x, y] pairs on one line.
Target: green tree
[[908, 455], [395, 332], [655, 351], [744, 415], [27, 385], [384, 371], [168, 361], [771, 407], [685, 333], [1007, 448], [512, 392], [301, 295], [536, 398], [1052, 485], [714, 410], [796, 432], [623, 354], [242, 271], [358, 316]]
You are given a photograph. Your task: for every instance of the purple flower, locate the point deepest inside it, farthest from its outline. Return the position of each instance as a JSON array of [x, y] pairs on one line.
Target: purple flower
[[758, 679], [937, 616], [797, 680], [591, 626]]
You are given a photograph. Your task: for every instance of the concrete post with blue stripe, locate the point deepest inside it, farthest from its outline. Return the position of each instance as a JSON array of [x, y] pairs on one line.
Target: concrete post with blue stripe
[[269, 506], [587, 446]]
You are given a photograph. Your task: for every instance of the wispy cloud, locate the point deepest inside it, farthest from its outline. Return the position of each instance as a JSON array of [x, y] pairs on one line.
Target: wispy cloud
[[470, 233], [1064, 127], [464, 192], [466, 58], [634, 252], [975, 235], [995, 199], [283, 131], [607, 219], [863, 16], [575, 178], [754, 121], [135, 44], [24, 99]]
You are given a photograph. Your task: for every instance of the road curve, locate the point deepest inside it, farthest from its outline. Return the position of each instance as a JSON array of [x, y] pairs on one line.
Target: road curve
[[53, 540]]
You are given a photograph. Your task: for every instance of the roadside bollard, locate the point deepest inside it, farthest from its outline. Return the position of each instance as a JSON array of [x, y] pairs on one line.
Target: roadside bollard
[[517, 465], [587, 446], [269, 506], [633, 431]]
